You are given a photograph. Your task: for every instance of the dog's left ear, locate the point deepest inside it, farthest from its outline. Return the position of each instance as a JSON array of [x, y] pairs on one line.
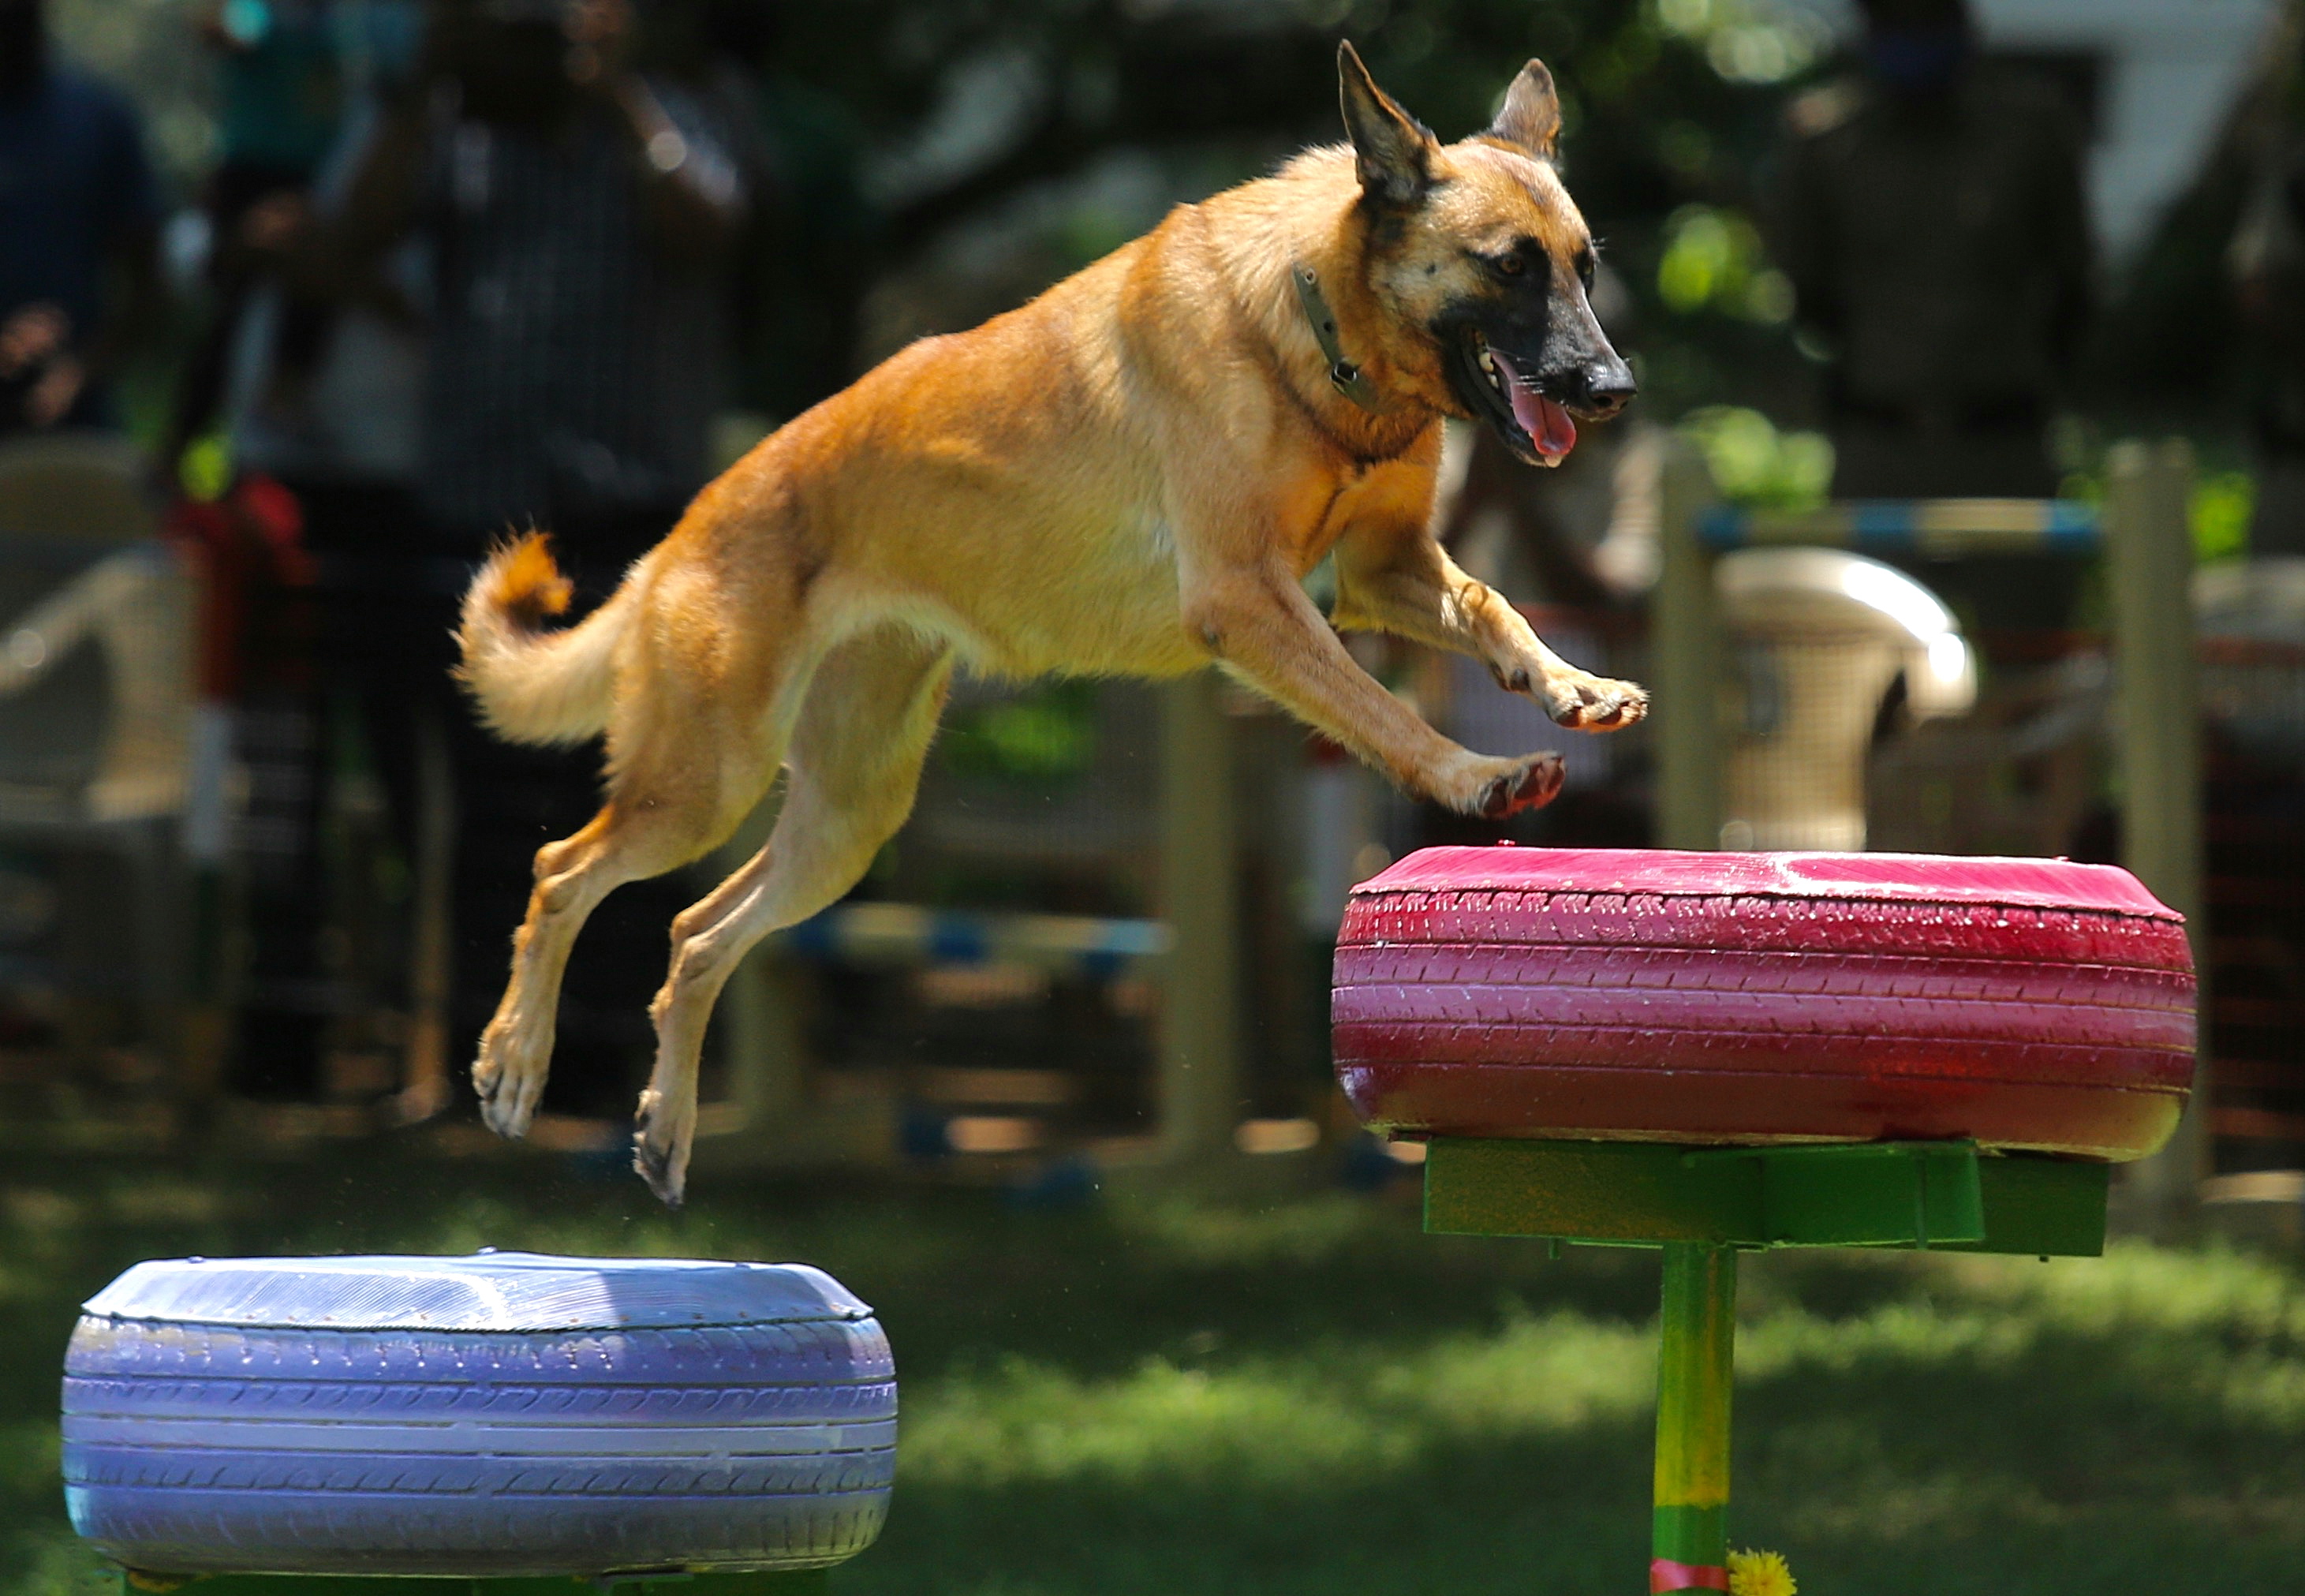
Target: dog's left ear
[[1530, 117], [1394, 150]]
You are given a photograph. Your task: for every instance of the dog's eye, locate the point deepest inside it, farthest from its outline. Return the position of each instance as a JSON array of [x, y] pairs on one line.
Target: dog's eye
[[1510, 263]]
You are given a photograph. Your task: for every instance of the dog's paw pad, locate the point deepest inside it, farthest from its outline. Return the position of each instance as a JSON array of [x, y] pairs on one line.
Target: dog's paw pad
[[1531, 786], [1592, 704]]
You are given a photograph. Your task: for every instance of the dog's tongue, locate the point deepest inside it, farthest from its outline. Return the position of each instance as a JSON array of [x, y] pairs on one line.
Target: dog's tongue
[[1542, 419]]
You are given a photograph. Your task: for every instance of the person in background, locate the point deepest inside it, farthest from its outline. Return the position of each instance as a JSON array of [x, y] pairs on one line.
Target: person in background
[[576, 217], [2266, 260], [79, 224], [317, 388], [304, 403], [280, 106], [1932, 217], [806, 256]]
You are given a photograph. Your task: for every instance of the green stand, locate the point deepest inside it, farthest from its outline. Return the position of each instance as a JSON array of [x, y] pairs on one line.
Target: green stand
[[813, 1583], [1702, 1207], [1697, 1350]]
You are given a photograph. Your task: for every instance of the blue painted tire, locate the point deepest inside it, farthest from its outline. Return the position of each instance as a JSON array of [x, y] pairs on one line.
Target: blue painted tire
[[505, 1413]]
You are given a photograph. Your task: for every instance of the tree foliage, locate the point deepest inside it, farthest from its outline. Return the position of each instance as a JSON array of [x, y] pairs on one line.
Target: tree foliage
[[957, 107]]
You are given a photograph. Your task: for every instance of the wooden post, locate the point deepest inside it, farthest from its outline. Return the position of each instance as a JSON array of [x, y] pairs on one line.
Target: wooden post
[[425, 1090], [2149, 547], [1200, 1044], [1684, 659], [767, 1061]]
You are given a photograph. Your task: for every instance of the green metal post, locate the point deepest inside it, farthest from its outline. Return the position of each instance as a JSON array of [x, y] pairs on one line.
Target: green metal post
[[1695, 1358]]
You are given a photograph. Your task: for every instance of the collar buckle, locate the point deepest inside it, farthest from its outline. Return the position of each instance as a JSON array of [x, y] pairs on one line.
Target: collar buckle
[[1344, 376]]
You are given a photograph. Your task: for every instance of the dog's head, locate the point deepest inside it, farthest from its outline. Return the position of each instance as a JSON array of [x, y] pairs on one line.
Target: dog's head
[[1479, 262]]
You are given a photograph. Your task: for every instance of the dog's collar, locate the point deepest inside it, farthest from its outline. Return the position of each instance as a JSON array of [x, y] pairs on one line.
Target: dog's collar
[[1344, 376]]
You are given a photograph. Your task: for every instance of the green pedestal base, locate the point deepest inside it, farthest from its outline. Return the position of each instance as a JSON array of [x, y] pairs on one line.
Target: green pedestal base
[[1703, 1206], [1919, 1194]]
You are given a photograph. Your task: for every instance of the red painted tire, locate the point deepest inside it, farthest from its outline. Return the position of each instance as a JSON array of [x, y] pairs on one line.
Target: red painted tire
[[1764, 998]]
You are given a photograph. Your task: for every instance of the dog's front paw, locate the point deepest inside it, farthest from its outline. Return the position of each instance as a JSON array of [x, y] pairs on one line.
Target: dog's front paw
[[509, 1082], [1584, 703], [1505, 787], [662, 1135]]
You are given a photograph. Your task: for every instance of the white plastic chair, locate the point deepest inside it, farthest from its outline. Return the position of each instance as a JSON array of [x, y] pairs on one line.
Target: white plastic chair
[[98, 620]]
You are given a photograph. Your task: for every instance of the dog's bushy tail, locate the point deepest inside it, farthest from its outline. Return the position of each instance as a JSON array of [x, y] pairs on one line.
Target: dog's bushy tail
[[535, 686]]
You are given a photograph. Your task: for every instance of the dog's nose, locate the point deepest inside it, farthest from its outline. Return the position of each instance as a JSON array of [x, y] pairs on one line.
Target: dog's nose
[[1609, 386]]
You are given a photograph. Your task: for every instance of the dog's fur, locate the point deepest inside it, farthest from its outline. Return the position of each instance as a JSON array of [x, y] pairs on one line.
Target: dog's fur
[[1129, 475]]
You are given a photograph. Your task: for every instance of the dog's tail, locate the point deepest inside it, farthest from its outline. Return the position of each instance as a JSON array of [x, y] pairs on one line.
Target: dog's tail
[[535, 685]]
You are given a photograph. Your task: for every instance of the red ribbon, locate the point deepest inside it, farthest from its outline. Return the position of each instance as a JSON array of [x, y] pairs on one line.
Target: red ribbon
[[1666, 1575]]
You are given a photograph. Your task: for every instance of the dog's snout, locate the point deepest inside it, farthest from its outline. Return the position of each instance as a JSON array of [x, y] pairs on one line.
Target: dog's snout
[[1608, 386]]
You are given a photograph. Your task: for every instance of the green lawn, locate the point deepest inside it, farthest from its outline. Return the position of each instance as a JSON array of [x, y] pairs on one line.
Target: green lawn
[[1154, 1397]]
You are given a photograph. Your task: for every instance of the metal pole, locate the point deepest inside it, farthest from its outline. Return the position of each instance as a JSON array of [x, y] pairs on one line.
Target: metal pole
[[1695, 1362], [1200, 1046], [2148, 544], [1685, 658]]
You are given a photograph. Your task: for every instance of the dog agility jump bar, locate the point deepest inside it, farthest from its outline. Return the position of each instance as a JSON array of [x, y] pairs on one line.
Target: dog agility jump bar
[[904, 934], [1941, 527]]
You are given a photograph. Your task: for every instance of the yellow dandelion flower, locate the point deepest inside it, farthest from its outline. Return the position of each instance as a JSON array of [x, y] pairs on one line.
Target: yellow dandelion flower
[[1759, 1574]]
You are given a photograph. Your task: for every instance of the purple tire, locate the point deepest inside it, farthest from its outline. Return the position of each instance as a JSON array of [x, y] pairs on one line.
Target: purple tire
[[501, 1414]]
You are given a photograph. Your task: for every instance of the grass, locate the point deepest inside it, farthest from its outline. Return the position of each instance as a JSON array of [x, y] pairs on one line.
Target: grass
[[1152, 1398]]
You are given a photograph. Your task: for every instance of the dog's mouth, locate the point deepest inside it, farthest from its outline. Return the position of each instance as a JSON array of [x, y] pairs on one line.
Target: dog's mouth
[[1500, 389]]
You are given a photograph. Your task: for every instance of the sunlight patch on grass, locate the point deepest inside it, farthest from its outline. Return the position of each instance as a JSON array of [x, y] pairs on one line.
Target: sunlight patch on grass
[[1297, 1234], [1302, 1423], [1918, 1335], [1547, 1374], [2140, 1287], [1027, 1421]]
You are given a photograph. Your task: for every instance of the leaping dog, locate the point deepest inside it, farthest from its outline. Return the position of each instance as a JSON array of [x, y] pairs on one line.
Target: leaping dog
[[1128, 476]]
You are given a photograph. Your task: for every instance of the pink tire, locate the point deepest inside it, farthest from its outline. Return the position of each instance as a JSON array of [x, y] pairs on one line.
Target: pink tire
[[1763, 999]]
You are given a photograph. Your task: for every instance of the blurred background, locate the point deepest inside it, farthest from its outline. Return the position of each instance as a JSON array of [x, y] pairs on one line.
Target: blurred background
[[302, 301]]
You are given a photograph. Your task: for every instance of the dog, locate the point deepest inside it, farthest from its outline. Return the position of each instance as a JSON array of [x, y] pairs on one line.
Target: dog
[[1130, 475]]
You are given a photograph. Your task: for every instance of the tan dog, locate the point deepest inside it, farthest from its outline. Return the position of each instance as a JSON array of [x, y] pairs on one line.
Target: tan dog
[[1128, 476]]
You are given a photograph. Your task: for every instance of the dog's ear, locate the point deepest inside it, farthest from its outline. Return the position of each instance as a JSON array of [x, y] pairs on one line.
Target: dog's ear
[[1530, 117], [1394, 150]]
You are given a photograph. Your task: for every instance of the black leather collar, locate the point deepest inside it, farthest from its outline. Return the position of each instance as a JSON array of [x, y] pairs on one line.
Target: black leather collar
[[1344, 376]]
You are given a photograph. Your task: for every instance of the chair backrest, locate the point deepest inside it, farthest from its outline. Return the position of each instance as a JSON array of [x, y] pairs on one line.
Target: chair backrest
[[80, 485], [88, 733], [1825, 632]]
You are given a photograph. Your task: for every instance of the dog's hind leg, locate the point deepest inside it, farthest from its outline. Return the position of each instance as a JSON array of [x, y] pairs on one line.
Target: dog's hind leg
[[623, 842], [856, 755], [683, 779]]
